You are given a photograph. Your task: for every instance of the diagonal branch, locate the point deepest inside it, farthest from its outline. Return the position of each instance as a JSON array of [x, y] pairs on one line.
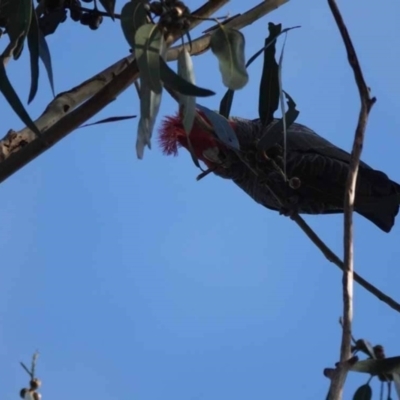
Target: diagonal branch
[[59, 119], [339, 378], [332, 257]]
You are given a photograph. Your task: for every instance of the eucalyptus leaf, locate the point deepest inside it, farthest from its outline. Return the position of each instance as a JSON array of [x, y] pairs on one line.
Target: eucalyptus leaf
[[187, 103], [149, 108], [133, 16], [364, 392], [175, 82], [19, 20], [282, 103], [226, 101], [396, 381], [14, 101], [109, 6], [269, 84], [375, 367], [148, 42], [268, 42], [274, 133], [109, 119], [38, 49], [33, 45], [228, 46], [44, 54], [221, 126]]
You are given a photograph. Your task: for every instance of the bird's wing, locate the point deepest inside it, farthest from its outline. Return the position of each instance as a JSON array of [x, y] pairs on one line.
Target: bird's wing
[[302, 139], [299, 138]]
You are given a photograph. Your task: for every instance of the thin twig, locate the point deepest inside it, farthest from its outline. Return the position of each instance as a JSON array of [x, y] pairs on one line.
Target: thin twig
[[26, 369], [33, 365], [31, 372], [98, 12], [339, 378]]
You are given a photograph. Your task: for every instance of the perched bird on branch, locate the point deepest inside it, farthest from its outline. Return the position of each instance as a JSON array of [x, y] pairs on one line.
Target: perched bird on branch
[[312, 181]]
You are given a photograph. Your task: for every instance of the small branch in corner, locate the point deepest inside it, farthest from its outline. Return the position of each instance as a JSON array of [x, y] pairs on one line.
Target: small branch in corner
[[34, 383]]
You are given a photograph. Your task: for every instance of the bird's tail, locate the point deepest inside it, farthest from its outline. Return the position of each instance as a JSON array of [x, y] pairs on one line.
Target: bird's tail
[[381, 211]]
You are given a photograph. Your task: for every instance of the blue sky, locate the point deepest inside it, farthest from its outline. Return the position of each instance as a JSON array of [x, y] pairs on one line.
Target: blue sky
[[134, 281]]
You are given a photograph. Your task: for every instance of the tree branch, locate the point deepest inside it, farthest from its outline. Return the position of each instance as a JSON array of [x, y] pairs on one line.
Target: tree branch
[[332, 257], [59, 119], [339, 378]]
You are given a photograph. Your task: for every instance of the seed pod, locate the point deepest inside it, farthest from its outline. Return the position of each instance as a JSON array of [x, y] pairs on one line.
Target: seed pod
[[36, 396], [95, 22], [35, 383], [85, 19], [75, 14]]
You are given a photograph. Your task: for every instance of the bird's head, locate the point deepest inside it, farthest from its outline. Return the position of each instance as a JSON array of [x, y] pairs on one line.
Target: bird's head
[[206, 147]]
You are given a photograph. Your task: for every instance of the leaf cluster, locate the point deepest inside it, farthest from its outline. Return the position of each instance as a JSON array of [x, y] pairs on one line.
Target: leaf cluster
[[149, 42], [376, 364], [146, 27]]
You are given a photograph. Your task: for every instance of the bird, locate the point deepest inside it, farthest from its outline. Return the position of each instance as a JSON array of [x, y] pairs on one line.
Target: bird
[[308, 178]]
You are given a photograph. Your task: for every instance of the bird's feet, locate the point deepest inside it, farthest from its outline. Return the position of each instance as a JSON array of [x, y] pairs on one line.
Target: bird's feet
[[290, 208]]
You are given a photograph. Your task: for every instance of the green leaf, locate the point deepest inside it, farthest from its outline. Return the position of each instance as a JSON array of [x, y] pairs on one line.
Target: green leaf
[[375, 367], [44, 54], [228, 46], [282, 103], [133, 16], [187, 103], [226, 101], [268, 42], [14, 101], [148, 42], [109, 119], [274, 134], [33, 45], [221, 126], [19, 20], [109, 6], [38, 49], [175, 82], [364, 392], [269, 85], [149, 108], [396, 381]]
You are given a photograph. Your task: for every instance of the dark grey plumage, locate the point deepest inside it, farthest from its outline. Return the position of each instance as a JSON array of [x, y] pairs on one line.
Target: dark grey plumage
[[321, 168]]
